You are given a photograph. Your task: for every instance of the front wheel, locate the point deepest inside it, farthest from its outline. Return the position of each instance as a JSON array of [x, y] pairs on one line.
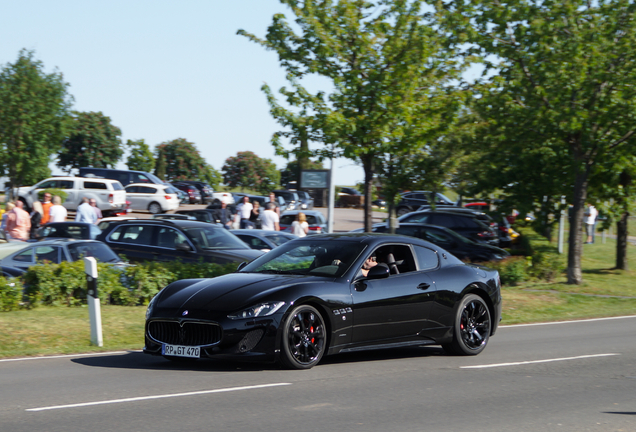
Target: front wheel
[[304, 338], [154, 208], [471, 328]]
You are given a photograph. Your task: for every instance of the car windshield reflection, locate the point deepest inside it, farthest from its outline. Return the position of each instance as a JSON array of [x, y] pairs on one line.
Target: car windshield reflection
[[213, 238], [310, 257]]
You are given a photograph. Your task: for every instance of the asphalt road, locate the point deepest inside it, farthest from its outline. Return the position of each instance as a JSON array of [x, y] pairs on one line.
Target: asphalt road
[[578, 376]]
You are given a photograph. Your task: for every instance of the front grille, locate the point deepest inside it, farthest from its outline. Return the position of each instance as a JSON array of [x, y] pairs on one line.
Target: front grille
[[185, 333]]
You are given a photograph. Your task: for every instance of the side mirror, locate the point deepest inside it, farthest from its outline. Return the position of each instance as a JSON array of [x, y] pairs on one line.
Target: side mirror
[[184, 247], [378, 272], [241, 266]]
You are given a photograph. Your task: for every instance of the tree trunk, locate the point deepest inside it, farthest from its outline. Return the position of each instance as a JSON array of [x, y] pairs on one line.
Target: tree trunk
[[367, 164], [575, 246], [621, 242]]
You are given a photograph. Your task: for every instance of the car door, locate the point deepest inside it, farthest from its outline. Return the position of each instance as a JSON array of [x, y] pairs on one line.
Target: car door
[[98, 189], [173, 245], [135, 241], [72, 193], [135, 197], [393, 308]]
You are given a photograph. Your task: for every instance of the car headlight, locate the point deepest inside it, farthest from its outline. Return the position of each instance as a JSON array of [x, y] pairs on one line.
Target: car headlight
[[150, 306], [260, 310]]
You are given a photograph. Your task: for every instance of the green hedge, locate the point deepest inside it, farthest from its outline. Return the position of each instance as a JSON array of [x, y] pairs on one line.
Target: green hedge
[[64, 284]]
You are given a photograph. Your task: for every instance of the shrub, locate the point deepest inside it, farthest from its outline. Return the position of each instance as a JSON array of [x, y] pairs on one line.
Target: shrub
[[547, 266], [512, 270], [10, 294]]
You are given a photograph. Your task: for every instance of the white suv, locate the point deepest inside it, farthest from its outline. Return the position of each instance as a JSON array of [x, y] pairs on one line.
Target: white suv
[[109, 194]]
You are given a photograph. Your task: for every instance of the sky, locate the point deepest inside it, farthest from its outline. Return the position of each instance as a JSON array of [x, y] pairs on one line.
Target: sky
[[163, 70]]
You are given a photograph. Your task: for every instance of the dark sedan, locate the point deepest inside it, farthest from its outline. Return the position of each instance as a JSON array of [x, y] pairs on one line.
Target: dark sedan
[[170, 240], [328, 294], [467, 223]]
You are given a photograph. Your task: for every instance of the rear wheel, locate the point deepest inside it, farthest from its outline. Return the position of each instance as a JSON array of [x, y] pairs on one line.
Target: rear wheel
[[471, 328], [304, 338], [154, 208]]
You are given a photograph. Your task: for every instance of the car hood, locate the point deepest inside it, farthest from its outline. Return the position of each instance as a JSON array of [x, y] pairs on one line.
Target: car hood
[[226, 293]]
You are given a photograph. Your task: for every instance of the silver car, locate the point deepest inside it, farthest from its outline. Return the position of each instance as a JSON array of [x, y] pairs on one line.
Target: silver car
[[155, 198]]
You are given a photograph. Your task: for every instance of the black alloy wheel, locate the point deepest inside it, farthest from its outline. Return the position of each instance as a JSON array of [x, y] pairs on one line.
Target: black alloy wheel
[[304, 338], [472, 327]]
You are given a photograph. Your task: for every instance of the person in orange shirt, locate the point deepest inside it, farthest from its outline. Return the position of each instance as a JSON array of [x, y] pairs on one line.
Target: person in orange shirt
[[46, 206]]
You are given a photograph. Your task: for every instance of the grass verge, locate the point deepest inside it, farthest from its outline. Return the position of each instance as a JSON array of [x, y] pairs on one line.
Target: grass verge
[[604, 292]]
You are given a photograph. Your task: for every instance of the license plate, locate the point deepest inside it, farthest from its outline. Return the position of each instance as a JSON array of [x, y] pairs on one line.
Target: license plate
[[180, 351]]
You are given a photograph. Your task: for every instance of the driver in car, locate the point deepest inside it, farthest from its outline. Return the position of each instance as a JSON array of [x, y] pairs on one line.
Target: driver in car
[[371, 262]]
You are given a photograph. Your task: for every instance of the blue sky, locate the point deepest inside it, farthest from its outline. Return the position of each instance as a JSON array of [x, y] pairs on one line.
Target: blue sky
[[162, 69]]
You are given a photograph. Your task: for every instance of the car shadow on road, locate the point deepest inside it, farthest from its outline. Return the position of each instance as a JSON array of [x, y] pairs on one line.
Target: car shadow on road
[[139, 360]]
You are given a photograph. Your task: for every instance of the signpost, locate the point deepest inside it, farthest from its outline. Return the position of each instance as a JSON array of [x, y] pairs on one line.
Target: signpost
[[94, 309]]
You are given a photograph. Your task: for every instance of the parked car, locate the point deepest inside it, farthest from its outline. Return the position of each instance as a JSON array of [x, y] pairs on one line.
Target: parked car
[[458, 245], [173, 216], [410, 201], [466, 224], [25, 255], [225, 197], [309, 298], [125, 177], [315, 219], [203, 215], [306, 201], [183, 197], [194, 195], [102, 224], [169, 240], [291, 199], [156, 198], [109, 194], [76, 230], [207, 192], [263, 240], [349, 191], [479, 215]]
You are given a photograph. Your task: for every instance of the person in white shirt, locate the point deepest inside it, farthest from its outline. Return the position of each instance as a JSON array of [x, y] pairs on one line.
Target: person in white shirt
[[85, 212], [244, 211], [269, 218], [57, 212], [300, 227], [590, 221]]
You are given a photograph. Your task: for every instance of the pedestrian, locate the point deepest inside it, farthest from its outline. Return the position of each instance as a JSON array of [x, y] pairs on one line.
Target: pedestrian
[[19, 222], [244, 210], [57, 212], [36, 218], [590, 221], [7, 209], [300, 227], [98, 212], [255, 214], [272, 199], [46, 208], [269, 219], [85, 212], [224, 215]]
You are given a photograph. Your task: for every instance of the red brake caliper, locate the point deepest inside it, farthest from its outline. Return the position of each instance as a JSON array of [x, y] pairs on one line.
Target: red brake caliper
[[311, 329]]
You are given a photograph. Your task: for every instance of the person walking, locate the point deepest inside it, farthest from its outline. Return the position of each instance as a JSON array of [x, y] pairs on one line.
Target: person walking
[[590, 221], [57, 212], [244, 211], [7, 209], [300, 227], [224, 215], [19, 222], [255, 214], [46, 208], [36, 218], [85, 212], [272, 199], [269, 219], [98, 212]]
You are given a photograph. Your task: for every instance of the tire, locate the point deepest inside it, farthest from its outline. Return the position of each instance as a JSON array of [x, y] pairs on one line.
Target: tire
[[155, 208], [304, 338], [471, 328], [401, 211]]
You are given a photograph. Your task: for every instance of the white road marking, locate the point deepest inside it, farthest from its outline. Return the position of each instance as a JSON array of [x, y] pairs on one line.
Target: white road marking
[[566, 322], [69, 356], [142, 398], [537, 361]]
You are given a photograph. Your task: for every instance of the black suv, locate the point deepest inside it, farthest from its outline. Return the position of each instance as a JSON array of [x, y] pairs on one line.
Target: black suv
[[411, 201], [175, 240], [466, 224], [207, 193]]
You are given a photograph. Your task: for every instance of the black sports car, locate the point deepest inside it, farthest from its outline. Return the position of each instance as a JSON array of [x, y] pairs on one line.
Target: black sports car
[[309, 297]]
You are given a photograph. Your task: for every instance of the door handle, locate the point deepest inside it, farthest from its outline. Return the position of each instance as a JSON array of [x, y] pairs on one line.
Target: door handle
[[423, 286]]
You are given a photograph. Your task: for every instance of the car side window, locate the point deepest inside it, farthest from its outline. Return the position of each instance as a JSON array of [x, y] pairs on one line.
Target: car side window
[[65, 184], [140, 178], [254, 242], [134, 234], [417, 217], [398, 258], [25, 256], [426, 258], [147, 190], [94, 185], [49, 254], [51, 184], [132, 189], [170, 238]]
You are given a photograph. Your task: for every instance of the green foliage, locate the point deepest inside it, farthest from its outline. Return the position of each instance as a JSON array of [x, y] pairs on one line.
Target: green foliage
[[34, 112], [512, 270], [246, 170], [93, 141], [10, 294], [141, 157], [180, 160], [59, 192]]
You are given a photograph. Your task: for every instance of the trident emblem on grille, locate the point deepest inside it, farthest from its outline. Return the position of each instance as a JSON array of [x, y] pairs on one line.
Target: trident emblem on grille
[[184, 313]]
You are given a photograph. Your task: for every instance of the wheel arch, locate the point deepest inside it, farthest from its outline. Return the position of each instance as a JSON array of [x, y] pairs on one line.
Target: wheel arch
[[481, 290], [321, 307]]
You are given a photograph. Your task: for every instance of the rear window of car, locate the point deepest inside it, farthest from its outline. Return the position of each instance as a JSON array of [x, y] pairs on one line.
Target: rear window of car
[[94, 185], [426, 258], [288, 219]]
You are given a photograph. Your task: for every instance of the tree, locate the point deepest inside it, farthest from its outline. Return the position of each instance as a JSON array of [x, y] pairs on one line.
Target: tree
[[141, 157], [34, 111], [382, 58], [93, 141], [247, 170], [564, 86], [180, 160]]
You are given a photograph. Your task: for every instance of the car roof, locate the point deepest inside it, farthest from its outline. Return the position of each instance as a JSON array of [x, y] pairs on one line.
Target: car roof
[[147, 184], [173, 222]]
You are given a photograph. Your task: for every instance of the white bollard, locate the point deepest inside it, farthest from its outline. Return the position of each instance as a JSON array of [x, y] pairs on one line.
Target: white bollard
[[94, 309]]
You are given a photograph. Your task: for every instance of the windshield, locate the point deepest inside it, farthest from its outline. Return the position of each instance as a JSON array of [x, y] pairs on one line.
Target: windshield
[[99, 251], [213, 238], [308, 257]]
